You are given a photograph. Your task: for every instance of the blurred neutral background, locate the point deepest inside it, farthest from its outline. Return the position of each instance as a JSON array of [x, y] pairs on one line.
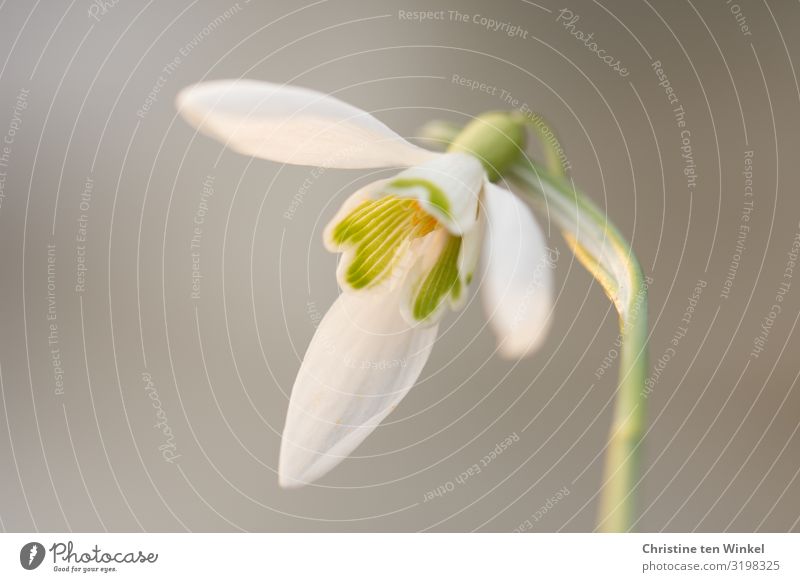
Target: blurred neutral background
[[133, 401]]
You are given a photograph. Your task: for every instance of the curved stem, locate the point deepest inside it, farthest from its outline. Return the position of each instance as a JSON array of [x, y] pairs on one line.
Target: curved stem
[[555, 158], [603, 250]]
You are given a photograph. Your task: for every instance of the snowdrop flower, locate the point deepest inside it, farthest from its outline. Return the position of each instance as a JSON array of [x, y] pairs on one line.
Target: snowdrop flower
[[410, 247]]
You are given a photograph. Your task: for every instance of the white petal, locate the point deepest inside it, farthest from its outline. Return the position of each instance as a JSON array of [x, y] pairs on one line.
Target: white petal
[[361, 362], [421, 259], [294, 125], [458, 179], [517, 274], [370, 191], [471, 248], [407, 253]]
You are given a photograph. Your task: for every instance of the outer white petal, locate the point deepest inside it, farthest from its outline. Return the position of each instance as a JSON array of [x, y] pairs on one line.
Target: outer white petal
[[517, 274], [294, 125], [459, 177], [471, 248], [361, 362]]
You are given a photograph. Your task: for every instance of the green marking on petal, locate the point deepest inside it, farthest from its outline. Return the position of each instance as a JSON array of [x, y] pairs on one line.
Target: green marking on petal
[[455, 292], [379, 231], [367, 216], [376, 255], [441, 280], [436, 196]]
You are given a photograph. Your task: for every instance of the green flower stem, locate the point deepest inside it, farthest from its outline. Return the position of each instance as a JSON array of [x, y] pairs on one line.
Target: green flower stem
[[617, 512], [547, 138], [587, 229]]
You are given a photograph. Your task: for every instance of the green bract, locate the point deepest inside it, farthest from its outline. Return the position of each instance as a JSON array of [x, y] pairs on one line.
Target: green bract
[[496, 138]]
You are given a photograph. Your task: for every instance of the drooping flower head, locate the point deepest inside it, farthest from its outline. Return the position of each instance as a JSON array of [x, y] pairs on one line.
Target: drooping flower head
[[409, 245], [417, 231]]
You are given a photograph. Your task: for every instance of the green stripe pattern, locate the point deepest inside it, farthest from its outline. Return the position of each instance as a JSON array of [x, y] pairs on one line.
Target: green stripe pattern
[[436, 196], [442, 280], [380, 231]]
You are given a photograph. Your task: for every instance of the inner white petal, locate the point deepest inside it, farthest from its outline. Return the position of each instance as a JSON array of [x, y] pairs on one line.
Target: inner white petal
[[447, 188]]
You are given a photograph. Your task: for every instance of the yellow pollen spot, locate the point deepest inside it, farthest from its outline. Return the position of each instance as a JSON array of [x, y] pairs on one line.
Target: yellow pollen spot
[[423, 222]]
